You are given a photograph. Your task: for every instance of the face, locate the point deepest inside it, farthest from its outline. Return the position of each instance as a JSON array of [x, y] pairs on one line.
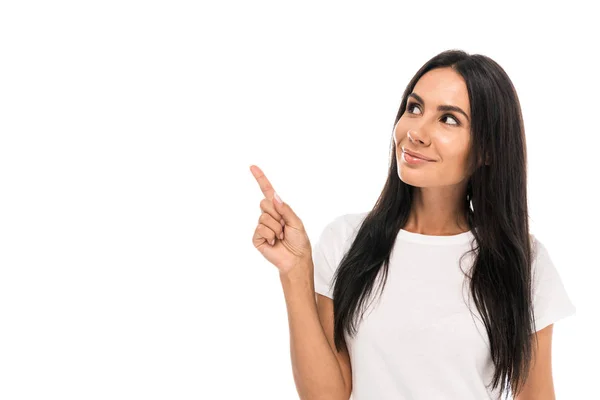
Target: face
[[442, 135]]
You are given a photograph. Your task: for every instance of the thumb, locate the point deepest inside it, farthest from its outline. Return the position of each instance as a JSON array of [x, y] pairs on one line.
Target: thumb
[[289, 216]]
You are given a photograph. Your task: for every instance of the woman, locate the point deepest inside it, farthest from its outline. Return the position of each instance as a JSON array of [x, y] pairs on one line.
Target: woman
[[470, 295]]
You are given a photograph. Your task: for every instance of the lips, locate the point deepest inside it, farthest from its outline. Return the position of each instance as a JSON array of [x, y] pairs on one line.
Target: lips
[[417, 155]]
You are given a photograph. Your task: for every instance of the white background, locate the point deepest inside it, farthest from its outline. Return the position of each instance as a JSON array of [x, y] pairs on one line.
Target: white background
[[127, 206]]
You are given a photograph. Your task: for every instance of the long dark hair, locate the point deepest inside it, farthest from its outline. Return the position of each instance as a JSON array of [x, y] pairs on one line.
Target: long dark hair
[[496, 209]]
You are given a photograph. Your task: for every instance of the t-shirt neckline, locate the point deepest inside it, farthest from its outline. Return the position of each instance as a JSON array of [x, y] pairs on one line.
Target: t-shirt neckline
[[463, 237]]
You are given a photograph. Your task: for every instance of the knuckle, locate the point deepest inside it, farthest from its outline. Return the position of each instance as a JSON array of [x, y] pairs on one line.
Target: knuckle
[[264, 204], [261, 231], [267, 233]]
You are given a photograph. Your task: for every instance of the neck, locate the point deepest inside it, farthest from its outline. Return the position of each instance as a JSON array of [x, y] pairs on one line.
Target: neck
[[438, 211]]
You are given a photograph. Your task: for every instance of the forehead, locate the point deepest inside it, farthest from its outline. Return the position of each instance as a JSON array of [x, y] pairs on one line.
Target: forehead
[[443, 86]]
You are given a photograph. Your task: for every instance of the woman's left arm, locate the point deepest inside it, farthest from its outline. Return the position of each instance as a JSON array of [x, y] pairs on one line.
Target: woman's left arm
[[539, 384]]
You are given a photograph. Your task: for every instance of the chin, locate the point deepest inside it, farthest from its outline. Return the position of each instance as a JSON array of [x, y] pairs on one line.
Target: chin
[[412, 180]]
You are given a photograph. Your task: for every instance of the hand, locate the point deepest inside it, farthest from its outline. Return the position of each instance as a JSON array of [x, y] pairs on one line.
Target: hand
[[280, 235]]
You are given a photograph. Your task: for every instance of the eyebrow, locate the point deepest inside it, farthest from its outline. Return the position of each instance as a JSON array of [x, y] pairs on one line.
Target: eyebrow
[[443, 107]]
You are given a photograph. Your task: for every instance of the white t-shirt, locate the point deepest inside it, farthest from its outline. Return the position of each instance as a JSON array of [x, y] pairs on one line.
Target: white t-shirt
[[418, 340]]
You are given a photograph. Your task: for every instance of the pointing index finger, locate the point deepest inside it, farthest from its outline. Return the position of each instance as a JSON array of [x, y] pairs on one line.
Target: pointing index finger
[[263, 182]]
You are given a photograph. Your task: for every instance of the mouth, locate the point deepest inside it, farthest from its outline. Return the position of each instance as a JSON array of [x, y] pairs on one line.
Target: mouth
[[415, 154], [414, 160]]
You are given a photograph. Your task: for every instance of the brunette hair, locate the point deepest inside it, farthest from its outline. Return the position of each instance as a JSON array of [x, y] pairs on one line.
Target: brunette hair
[[496, 208]]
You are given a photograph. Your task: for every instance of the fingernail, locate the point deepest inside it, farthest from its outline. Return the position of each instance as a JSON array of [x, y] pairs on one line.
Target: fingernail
[[273, 242], [281, 236], [281, 221], [278, 198]]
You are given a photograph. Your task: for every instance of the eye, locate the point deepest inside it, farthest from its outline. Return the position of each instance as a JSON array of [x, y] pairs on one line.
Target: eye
[[409, 107], [454, 119], [412, 104]]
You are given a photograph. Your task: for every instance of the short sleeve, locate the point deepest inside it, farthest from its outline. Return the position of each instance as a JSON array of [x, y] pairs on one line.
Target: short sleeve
[[325, 259], [551, 301]]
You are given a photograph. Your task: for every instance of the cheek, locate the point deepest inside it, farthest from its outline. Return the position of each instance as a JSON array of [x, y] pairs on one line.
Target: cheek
[[454, 154], [397, 137], [400, 130]]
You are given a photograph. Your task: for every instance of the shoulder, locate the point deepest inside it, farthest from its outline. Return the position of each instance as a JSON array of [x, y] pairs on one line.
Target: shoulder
[[537, 246], [551, 299], [329, 248], [540, 256], [337, 235], [343, 228]]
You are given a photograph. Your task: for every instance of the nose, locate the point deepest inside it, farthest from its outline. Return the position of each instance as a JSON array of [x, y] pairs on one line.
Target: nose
[[415, 137]]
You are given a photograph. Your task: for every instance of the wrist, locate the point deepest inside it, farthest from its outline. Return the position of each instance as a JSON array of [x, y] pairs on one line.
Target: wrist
[[301, 273]]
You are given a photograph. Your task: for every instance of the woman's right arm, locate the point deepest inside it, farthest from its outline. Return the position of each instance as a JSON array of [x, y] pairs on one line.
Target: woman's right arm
[[317, 371], [281, 238]]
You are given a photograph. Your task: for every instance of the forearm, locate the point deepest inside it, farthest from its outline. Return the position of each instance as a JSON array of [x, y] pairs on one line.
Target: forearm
[[315, 367]]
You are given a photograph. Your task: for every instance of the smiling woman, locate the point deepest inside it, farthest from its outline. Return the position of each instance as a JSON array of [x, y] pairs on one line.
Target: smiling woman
[[470, 294]]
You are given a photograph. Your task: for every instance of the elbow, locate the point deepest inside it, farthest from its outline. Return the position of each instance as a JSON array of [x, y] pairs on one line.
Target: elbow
[[338, 396]]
